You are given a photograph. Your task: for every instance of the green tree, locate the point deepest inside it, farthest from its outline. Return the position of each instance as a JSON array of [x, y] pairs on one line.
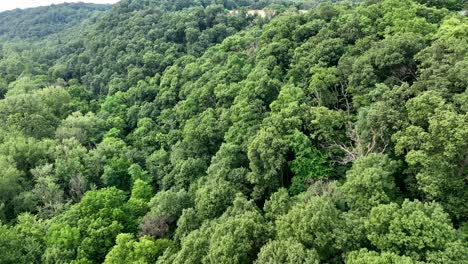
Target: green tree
[[287, 251], [10, 186], [278, 204], [414, 229], [17, 247], [144, 251], [29, 114], [87, 231], [436, 160], [308, 165], [213, 197], [87, 129], [370, 182], [365, 256], [49, 195], [312, 223], [165, 209], [267, 156]]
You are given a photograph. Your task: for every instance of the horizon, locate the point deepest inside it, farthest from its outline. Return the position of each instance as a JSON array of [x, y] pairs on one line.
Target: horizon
[[24, 4]]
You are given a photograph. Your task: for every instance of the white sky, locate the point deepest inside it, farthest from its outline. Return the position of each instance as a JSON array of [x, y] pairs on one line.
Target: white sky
[[12, 4]]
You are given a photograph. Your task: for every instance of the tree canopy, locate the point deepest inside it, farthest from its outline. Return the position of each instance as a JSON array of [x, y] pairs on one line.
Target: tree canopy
[[234, 131]]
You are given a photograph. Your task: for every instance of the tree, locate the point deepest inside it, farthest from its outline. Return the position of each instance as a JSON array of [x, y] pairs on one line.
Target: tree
[[137, 206], [165, 209], [28, 113], [87, 129], [437, 161], [287, 252], [111, 149], [18, 248], [308, 165], [213, 197], [57, 99], [237, 239], [145, 250], [312, 223], [87, 230], [370, 182], [49, 195], [195, 128], [116, 173], [365, 256], [158, 165], [442, 63], [231, 164], [189, 221], [170, 203], [414, 229], [10, 186], [449, 4], [267, 156], [70, 167], [278, 204]]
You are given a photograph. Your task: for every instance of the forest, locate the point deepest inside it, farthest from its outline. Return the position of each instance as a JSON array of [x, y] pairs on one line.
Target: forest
[[180, 131]]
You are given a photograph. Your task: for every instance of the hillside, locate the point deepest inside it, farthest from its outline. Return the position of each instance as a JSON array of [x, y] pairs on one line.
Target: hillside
[[206, 132], [44, 21]]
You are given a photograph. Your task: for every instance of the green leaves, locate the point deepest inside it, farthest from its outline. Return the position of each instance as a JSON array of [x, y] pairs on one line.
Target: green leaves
[[287, 252], [267, 153], [18, 247], [213, 197], [10, 186], [313, 223], [370, 182], [413, 229], [185, 132], [364, 256], [87, 129], [87, 230], [308, 165], [235, 237], [144, 251], [436, 158]]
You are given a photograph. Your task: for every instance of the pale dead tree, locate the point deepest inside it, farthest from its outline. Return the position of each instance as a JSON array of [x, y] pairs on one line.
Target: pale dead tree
[[49, 195], [252, 49], [344, 93], [155, 226], [77, 186], [359, 146], [318, 97], [324, 188]]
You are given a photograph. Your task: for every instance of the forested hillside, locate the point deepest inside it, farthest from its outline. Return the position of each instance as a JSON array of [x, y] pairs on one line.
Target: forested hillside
[[163, 131], [44, 21]]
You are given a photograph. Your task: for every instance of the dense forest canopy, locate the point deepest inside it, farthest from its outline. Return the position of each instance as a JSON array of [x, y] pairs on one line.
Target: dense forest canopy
[[158, 131], [43, 21]]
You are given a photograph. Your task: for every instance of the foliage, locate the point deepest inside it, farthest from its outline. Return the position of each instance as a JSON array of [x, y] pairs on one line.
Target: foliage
[[287, 251], [44, 21], [270, 131], [415, 229]]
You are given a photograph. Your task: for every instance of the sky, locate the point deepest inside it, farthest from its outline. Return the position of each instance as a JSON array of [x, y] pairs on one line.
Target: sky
[[12, 4]]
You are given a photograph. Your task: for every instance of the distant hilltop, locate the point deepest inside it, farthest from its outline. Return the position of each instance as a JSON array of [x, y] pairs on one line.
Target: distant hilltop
[[262, 12]]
